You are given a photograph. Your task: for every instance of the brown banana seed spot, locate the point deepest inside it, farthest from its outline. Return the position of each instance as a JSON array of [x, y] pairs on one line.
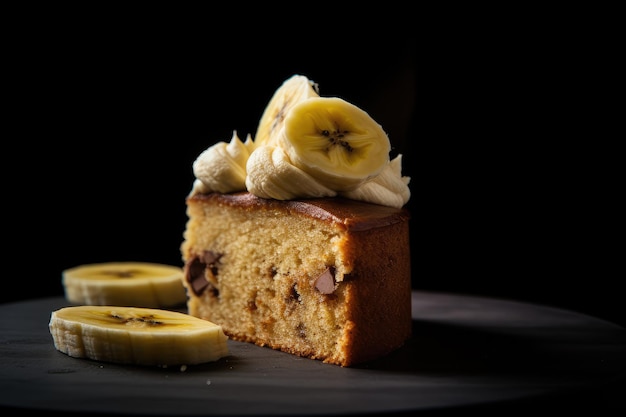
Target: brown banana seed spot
[[149, 320], [129, 273], [336, 138]]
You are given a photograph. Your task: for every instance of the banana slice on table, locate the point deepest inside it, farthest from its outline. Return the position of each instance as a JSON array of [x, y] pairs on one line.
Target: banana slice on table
[[335, 141], [137, 336], [138, 284], [292, 91]]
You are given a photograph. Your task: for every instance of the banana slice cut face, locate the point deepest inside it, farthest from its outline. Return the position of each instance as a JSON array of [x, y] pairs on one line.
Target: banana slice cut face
[[292, 91], [136, 336], [335, 141], [137, 284]]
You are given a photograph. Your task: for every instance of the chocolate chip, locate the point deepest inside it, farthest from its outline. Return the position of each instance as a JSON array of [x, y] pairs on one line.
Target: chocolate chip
[[211, 259], [325, 283], [194, 274], [301, 330], [293, 295]]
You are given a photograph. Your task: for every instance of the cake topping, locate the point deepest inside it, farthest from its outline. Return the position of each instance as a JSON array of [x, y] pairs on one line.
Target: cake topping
[[334, 141], [222, 167], [272, 175], [307, 146], [294, 90]]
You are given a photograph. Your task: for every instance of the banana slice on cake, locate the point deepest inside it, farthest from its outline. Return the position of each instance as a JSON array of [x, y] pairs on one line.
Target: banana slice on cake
[[137, 336], [335, 141], [293, 90], [139, 284]]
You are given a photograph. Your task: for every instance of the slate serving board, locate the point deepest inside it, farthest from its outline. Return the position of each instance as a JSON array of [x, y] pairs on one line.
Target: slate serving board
[[465, 351]]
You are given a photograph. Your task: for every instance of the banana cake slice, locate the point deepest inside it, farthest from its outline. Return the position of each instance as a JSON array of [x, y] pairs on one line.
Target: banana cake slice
[[326, 279], [298, 240]]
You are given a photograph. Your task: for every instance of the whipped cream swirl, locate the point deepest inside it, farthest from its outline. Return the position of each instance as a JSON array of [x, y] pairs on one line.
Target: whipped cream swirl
[[266, 171]]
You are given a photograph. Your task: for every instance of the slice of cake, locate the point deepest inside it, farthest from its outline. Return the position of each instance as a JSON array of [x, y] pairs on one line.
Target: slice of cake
[[299, 240], [325, 278]]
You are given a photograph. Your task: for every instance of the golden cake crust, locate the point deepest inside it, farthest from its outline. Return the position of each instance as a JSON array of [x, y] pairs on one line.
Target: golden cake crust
[[351, 214]]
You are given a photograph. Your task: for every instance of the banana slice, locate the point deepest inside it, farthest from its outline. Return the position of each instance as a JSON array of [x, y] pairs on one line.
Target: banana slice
[[292, 91], [139, 284], [138, 336], [335, 141]]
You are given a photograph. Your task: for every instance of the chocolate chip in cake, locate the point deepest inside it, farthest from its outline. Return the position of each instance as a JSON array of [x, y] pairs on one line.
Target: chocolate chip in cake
[[211, 259], [301, 330], [293, 294], [273, 272], [291, 300], [325, 283], [194, 275]]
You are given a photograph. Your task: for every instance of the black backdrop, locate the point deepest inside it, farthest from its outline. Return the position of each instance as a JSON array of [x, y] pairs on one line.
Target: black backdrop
[[107, 120]]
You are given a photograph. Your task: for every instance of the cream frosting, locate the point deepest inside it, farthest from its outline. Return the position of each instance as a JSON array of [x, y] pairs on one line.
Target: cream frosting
[[222, 167], [272, 175], [267, 171]]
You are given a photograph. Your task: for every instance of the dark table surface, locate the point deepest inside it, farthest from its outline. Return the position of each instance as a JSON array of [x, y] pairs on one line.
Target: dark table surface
[[466, 352]]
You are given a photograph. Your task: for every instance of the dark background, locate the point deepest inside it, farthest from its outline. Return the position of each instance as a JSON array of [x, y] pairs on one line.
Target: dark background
[[514, 191]]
